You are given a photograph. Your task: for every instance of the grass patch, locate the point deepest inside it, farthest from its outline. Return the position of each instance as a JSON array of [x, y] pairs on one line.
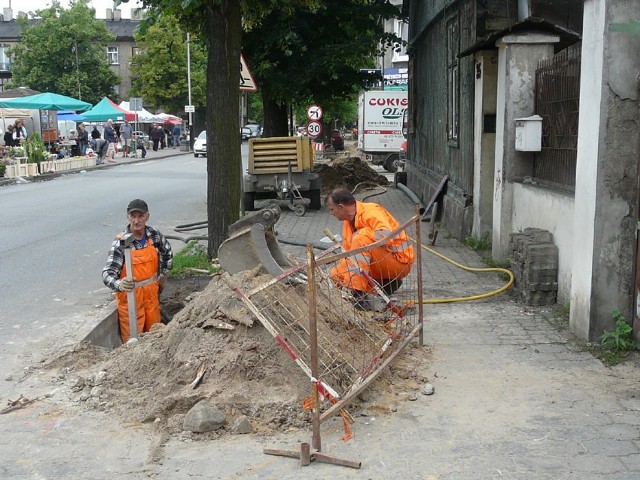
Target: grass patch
[[192, 260], [478, 243]]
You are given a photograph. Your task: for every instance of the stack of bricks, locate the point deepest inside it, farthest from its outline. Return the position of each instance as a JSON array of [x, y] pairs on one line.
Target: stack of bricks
[[535, 266]]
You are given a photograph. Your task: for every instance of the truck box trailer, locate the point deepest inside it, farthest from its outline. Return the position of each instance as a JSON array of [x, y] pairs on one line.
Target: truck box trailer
[[380, 135]]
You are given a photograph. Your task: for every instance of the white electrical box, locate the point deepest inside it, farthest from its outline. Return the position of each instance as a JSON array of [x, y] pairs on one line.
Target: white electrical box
[[529, 134]]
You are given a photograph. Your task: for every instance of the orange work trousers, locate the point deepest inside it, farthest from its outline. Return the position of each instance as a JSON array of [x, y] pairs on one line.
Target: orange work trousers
[[379, 263]]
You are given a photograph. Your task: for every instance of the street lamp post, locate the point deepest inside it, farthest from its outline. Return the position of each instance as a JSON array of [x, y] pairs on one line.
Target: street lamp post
[[189, 89]]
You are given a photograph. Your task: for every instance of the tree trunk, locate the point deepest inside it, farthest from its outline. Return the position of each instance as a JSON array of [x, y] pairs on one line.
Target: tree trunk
[[275, 119], [222, 120]]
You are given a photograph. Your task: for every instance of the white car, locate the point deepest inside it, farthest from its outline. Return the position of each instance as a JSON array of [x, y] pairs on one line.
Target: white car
[[256, 130], [140, 133], [200, 145]]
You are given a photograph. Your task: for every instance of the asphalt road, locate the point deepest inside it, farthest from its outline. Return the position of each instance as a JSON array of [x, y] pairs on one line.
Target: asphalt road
[[54, 240]]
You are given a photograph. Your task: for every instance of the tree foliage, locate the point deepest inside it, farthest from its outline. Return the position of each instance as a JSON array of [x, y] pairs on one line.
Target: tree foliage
[[160, 71], [64, 51], [314, 55], [219, 23]]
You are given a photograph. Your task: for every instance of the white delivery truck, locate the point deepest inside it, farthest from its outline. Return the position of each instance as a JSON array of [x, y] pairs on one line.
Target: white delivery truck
[[380, 134]]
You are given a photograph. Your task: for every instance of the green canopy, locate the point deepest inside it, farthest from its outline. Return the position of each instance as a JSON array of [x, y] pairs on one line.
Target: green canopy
[[45, 101], [104, 110]]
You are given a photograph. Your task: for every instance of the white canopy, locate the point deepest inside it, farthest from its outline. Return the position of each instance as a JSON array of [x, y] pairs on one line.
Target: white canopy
[[144, 116]]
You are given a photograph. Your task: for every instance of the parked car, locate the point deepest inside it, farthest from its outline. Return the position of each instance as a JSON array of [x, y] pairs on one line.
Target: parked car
[[337, 140], [245, 133], [200, 145], [140, 133], [256, 130]]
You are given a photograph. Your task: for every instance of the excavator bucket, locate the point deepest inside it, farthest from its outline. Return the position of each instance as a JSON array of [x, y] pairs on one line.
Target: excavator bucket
[[252, 242]]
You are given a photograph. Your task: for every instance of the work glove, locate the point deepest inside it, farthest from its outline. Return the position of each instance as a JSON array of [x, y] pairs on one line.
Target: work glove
[[162, 281], [126, 284]]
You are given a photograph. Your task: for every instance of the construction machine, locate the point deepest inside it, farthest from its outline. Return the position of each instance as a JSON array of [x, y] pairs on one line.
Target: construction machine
[[281, 169]]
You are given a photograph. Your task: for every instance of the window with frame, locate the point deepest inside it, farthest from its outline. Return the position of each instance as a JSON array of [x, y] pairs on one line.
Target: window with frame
[[401, 29], [112, 55], [5, 61], [453, 78], [135, 51]]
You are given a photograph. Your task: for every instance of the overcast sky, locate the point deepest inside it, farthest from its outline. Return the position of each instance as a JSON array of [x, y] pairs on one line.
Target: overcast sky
[[100, 6]]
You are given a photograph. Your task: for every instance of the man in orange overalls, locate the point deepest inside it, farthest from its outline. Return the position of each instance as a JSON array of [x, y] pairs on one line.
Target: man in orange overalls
[[364, 224], [151, 257]]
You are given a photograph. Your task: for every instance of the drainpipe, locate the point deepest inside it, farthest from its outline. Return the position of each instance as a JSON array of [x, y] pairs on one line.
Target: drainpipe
[[524, 10]]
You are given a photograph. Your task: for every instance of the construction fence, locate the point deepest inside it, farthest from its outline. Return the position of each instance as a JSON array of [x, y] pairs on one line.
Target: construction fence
[[340, 337]]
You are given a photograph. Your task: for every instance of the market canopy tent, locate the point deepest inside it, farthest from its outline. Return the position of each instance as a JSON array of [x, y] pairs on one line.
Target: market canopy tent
[[171, 119], [45, 101], [105, 110], [68, 116], [144, 115]]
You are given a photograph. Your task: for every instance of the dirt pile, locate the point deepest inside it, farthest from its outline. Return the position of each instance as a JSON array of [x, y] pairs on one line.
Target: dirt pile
[[245, 371], [348, 171]]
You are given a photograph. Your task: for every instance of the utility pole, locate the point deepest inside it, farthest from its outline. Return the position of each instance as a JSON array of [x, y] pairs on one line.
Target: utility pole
[[75, 49]]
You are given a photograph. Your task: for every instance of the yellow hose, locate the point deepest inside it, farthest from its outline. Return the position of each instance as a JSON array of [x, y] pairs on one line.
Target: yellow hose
[[469, 269]]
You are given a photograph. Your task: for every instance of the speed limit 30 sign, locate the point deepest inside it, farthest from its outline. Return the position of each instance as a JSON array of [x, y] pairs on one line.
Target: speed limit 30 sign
[[314, 129]]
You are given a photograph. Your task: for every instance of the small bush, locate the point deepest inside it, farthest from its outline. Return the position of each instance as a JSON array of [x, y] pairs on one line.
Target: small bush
[[622, 337], [614, 346]]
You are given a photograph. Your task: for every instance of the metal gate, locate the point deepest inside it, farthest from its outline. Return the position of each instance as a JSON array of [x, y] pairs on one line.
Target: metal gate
[[557, 98]]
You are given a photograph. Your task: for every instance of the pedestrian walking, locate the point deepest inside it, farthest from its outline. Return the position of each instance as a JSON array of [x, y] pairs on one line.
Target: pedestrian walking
[[176, 132]]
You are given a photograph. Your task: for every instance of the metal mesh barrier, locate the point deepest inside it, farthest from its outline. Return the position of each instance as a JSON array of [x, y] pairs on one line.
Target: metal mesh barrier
[[340, 336]]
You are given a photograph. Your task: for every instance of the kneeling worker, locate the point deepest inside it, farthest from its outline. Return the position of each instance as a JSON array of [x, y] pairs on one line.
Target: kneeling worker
[[364, 224], [151, 257]]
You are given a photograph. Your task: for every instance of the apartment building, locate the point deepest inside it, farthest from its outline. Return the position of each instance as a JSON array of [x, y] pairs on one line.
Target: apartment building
[[119, 52]]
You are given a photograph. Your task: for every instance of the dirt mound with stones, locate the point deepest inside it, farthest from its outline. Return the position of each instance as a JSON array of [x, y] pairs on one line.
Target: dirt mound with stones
[[348, 171], [243, 372]]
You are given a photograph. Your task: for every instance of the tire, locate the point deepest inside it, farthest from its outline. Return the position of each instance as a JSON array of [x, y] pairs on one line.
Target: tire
[[248, 201], [196, 155], [391, 164]]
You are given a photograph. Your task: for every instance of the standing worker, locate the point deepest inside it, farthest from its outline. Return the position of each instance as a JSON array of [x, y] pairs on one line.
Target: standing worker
[[151, 257], [364, 224]]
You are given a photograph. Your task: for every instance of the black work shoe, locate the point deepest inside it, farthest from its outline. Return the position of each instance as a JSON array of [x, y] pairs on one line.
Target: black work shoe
[[390, 286]]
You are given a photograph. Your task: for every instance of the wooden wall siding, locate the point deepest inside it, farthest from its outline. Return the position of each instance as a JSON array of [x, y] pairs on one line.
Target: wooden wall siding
[[495, 15], [564, 13], [432, 149]]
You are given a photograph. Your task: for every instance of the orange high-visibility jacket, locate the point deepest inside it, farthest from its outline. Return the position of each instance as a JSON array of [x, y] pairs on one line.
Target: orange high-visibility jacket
[[393, 260]]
